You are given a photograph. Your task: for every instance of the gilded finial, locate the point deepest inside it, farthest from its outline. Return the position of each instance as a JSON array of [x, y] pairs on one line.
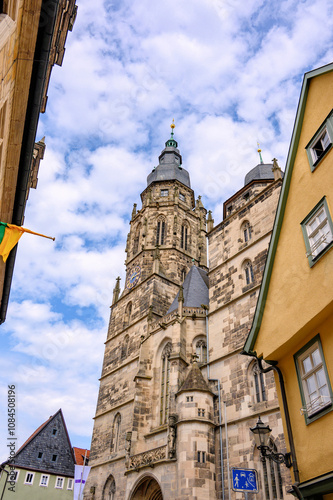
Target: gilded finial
[[259, 151], [172, 127]]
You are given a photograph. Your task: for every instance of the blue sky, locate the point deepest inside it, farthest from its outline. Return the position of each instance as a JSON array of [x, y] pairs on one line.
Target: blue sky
[[229, 72]]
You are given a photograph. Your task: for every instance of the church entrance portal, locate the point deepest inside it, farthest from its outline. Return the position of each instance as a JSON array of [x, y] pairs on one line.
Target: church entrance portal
[[149, 489]]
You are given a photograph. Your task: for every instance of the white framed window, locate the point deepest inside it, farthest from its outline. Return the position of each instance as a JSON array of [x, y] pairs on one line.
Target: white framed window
[[164, 192], [29, 478], [44, 480], [70, 483], [313, 379], [321, 142], [317, 230], [59, 483]]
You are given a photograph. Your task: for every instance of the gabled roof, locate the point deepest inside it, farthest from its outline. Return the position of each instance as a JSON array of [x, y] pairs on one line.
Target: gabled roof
[[52, 440], [195, 289], [194, 381], [251, 339]]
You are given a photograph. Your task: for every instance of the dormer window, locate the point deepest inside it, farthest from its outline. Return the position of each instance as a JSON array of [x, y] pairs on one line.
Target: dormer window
[[164, 192]]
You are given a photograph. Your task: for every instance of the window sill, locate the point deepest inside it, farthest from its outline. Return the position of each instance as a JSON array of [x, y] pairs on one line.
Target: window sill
[[314, 260], [321, 157], [323, 410]]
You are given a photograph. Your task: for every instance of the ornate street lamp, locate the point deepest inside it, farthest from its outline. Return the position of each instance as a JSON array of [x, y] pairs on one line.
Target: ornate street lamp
[[262, 434]]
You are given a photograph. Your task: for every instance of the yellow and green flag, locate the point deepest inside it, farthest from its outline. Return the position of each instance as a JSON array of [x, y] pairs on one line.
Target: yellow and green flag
[[9, 236]]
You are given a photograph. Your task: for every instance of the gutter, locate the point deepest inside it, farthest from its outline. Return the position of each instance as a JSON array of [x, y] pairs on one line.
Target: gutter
[[295, 488], [49, 9]]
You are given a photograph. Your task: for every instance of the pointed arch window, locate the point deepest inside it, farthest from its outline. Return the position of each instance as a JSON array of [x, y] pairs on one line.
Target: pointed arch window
[[165, 378], [259, 385], [246, 231], [109, 490], [248, 271], [124, 347], [136, 240], [128, 314], [184, 237], [201, 351], [272, 477], [116, 433], [160, 232]]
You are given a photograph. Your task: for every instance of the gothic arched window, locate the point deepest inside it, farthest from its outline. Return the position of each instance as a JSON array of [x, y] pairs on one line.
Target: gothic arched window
[[248, 271], [201, 351], [109, 490], [165, 375], [184, 237], [124, 347], [128, 314], [136, 239], [272, 477], [116, 433], [160, 232], [246, 231], [259, 384]]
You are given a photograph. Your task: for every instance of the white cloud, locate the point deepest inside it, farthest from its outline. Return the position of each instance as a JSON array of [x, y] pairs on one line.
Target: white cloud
[[230, 73]]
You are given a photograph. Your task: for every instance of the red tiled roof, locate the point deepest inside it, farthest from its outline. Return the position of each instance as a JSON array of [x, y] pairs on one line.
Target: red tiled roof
[[79, 454]]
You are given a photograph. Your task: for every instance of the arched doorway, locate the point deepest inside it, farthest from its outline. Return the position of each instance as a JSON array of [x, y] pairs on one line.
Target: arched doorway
[[147, 489]]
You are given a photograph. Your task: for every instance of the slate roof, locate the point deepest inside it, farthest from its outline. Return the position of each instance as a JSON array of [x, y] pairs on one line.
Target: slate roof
[[195, 289], [262, 171], [194, 381], [169, 167], [50, 439]]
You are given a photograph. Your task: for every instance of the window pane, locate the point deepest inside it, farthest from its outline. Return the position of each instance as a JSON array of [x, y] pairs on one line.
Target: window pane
[[316, 357], [321, 379], [311, 385], [307, 365]]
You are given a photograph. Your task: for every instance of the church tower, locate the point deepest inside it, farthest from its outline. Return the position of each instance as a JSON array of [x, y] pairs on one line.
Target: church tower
[[150, 346]]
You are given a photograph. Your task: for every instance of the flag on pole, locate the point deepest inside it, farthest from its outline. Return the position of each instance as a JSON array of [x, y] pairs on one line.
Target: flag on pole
[[80, 478], [9, 236]]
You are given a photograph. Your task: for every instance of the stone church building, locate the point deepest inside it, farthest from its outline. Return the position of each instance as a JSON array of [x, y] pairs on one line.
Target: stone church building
[[177, 399]]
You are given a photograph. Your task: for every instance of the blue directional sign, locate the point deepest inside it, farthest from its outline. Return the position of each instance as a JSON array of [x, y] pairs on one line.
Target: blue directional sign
[[244, 480]]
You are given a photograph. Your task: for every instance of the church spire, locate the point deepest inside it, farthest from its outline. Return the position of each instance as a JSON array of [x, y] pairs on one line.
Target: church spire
[[259, 151]]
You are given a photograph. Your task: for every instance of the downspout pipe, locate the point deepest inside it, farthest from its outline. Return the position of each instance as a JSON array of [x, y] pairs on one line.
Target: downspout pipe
[[219, 399], [287, 418]]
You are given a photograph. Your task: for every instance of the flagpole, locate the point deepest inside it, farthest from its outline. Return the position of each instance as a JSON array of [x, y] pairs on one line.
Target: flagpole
[[84, 464]]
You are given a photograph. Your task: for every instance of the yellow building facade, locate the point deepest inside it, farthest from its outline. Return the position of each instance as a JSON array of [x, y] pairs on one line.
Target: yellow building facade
[[293, 323]]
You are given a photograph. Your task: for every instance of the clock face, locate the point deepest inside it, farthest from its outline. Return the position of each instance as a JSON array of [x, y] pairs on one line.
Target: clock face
[[133, 277]]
